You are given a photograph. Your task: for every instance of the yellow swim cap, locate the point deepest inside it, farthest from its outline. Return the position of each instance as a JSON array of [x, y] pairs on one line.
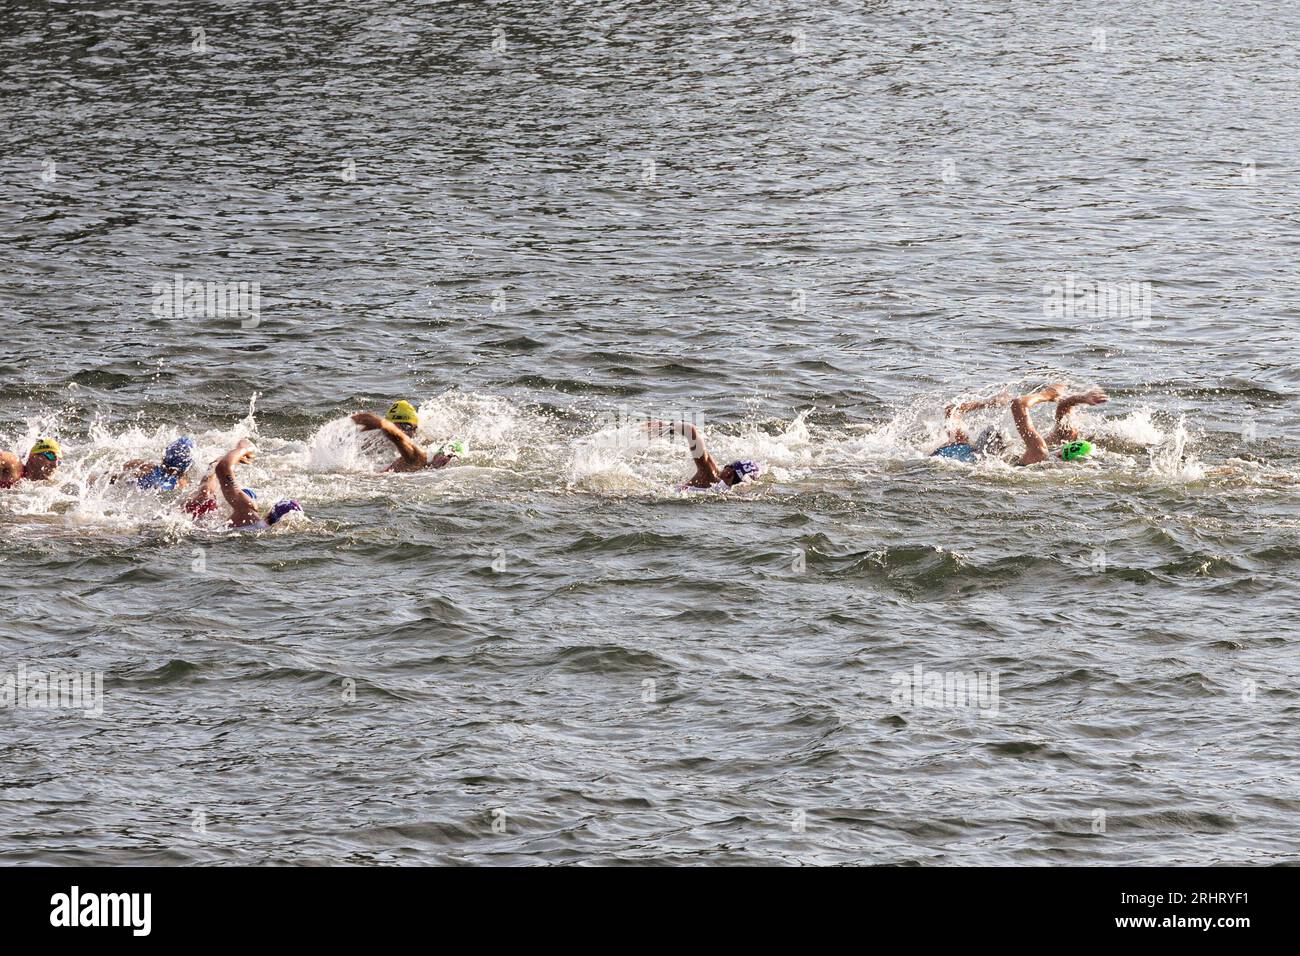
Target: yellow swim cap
[[44, 445], [403, 413]]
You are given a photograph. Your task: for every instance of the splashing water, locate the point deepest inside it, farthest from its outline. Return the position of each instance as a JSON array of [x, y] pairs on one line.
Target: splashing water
[[1170, 459], [510, 445]]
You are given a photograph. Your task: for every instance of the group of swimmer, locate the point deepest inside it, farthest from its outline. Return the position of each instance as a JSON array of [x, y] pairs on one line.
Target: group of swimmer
[[220, 481], [1062, 441], [400, 423]]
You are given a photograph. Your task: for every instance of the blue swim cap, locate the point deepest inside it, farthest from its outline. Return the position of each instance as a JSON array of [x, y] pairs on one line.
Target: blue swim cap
[[281, 509], [746, 469], [250, 492], [179, 455]]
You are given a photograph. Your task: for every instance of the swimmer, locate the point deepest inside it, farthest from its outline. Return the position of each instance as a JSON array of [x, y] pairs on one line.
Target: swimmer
[[168, 475], [242, 501], [707, 473], [958, 445], [42, 461], [399, 427], [1065, 435]]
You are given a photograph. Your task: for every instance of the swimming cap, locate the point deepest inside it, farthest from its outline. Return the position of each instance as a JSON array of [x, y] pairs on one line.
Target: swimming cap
[[454, 448], [46, 444], [250, 492], [746, 469], [281, 509], [403, 413], [1076, 450], [179, 455]]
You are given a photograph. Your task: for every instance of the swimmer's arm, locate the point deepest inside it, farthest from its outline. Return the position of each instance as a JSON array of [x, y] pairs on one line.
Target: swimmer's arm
[[706, 469], [244, 510], [134, 469], [956, 411], [952, 415], [1065, 429], [411, 453], [1068, 404], [1035, 446]]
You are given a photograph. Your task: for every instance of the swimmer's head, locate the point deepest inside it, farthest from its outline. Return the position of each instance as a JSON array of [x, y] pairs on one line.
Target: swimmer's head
[[43, 459], [990, 442], [403, 415], [280, 509], [179, 457], [743, 470], [1076, 450], [453, 449], [47, 446]]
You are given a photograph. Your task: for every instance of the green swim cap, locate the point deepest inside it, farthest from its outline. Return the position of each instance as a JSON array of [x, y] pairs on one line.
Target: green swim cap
[[1076, 450], [454, 448]]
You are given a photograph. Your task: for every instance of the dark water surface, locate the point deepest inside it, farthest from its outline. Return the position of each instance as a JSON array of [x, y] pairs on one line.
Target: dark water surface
[[807, 226]]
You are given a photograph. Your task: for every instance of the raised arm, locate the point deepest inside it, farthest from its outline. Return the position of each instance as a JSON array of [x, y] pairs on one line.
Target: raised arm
[[952, 415], [1065, 429], [706, 469], [411, 453], [244, 511], [1035, 446], [953, 411], [1068, 404]]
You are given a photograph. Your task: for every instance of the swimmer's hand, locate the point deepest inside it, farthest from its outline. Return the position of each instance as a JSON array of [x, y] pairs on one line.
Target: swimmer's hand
[[1095, 397], [368, 420], [244, 452], [1052, 392], [657, 429]]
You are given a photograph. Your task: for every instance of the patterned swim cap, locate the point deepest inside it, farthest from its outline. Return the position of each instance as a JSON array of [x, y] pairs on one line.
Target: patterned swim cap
[[403, 413], [179, 455], [746, 469], [1076, 450]]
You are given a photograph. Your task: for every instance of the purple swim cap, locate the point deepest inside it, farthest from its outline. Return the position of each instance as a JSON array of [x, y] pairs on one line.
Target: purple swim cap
[[746, 469], [281, 509]]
